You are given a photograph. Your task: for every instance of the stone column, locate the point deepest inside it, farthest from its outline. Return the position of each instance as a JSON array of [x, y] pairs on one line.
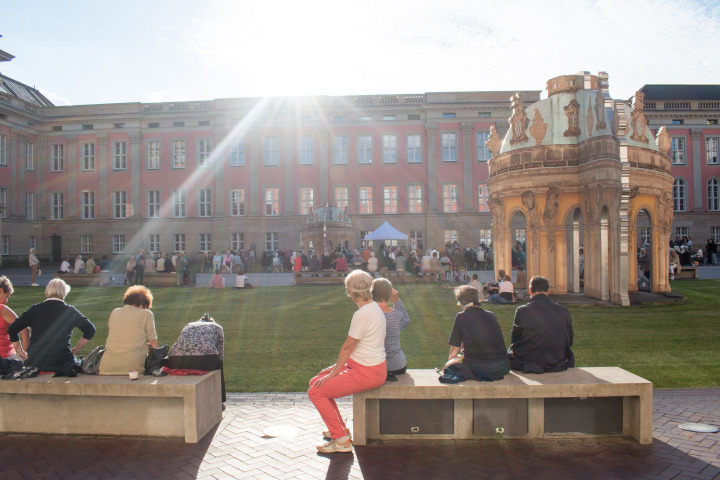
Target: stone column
[[220, 161], [253, 162], [101, 203], [323, 168], [697, 162], [41, 166], [135, 173], [431, 130], [467, 142], [287, 168], [71, 141]]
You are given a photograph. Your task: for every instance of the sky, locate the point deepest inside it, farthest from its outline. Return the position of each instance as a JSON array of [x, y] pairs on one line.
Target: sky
[[102, 51]]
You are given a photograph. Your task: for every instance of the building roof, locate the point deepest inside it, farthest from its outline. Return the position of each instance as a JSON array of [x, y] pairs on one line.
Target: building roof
[[681, 92], [23, 92]]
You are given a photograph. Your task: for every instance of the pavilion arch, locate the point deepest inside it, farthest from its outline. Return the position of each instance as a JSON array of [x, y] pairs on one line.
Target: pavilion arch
[[604, 253]]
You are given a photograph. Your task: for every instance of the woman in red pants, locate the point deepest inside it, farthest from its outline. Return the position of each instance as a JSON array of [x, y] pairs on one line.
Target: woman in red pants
[[360, 365]]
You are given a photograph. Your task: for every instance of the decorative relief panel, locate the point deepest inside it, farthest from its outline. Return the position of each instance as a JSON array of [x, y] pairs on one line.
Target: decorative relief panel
[[573, 115], [552, 203], [538, 127], [590, 119], [639, 122], [600, 111], [493, 143], [518, 120], [528, 201], [664, 142], [495, 204]]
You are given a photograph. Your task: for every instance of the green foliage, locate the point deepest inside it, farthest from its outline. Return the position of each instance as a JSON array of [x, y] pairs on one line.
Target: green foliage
[[277, 338]]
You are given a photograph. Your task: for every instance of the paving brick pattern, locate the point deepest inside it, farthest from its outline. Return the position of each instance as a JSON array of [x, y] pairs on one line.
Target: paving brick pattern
[[239, 449]]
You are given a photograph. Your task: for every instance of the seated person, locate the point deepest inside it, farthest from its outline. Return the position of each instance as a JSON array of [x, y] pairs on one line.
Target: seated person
[[357, 261], [200, 346], [341, 264], [90, 265], [160, 264], [130, 329], [241, 281], [325, 261], [400, 262], [396, 319], [477, 285], [491, 288], [542, 333], [436, 266], [65, 265], [79, 264], [477, 332], [104, 264], [506, 292], [51, 325], [685, 256], [643, 282], [7, 317], [217, 280], [521, 280], [277, 264], [426, 263], [314, 264], [372, 264]]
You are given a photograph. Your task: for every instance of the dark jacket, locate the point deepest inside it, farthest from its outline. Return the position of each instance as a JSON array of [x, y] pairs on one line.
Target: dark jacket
[[51, 323], [541, 337]]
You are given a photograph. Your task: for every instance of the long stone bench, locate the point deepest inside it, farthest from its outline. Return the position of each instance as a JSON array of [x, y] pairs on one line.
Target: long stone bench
[[580, 401], [155, 279], [687, 272], [400, 276], [323, 277], [85, 279], [170, 406]]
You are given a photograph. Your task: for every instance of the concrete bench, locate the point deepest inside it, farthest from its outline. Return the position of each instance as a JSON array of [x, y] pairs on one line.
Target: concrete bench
[[85, 279], [158, 279], [170, 406], [580, 401], [687, 272], [323, 277], [400, 276]]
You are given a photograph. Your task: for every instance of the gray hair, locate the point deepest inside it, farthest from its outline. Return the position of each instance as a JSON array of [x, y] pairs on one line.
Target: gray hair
[[57, 288], [358, 285], [381, 290]]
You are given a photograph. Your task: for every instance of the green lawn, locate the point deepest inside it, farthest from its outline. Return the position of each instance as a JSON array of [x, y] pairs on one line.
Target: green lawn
[[278, 338]]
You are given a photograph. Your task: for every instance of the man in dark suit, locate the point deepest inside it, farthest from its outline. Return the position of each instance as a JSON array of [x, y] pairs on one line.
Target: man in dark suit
[[51, 324], [542, 333]]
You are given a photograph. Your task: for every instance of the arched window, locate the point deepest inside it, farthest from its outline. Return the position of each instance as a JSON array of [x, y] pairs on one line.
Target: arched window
[[679, 195], [713, 194]]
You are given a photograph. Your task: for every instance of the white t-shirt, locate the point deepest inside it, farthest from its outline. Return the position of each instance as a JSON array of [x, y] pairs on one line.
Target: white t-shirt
[[240, 281], [368, 326]]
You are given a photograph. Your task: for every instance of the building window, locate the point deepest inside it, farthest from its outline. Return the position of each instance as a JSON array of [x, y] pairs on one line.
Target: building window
[[416, 239], [88, 157], [57, 203], [5, 245], [87, 204], [679, 192], [678, 121], [482, 197], [340, 150], [272, 151], [306, 200], [682, 231], [237, 241], [449, 147], [30, 156], [29, 205], [451, 236], [57, 158], [645, 235], [450, 198], [153, 203], [364, 149], [390, 199], [486, 236], [178, 154], [205, 242], [179, 204], [119, 155], [204, 202], [365, 195], [342, 197], [204, 152], [3, 150], [414, 148], [237, 156], [389, 148], [678, 150], [237, 202], [520, 234], [339, 119], [272, 201], [483, 154], [713, 194], [3, 202], [153, 243], [415, 198], [86, 244], [306, 150], [364, 118], [33, 242], [178, 124], [388, 118], [120, 204], [712, 150], [715, 234], [271, 241], [118, 243], [449, 115], [179, 242], [414, 116], [153, 155]]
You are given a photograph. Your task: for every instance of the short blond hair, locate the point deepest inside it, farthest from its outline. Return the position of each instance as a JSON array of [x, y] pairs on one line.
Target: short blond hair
[[381, 290], [358, 285]]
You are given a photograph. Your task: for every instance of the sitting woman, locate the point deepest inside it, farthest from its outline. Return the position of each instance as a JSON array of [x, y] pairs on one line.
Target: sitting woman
[[200, 347], [478, 333], [360, 364], [506, 292], [130, 329], [8, 317], [217, 280], [372, 264], [396, 318]]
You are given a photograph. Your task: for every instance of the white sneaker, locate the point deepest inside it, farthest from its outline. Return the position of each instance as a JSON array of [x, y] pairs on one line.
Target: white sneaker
[[336, 446], [326, 433], [34, 285]]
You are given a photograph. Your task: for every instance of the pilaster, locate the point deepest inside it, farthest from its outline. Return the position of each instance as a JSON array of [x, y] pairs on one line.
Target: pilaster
[[286, 173], [467, 137], [135, 178], [71, 142], [323, 168], [253, 163], [220, 160], [41, 166], [101, 203], [431, 130], [695, 135]]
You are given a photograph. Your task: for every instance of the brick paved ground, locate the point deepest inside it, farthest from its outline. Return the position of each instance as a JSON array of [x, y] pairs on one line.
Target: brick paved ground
[[238, 449]]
